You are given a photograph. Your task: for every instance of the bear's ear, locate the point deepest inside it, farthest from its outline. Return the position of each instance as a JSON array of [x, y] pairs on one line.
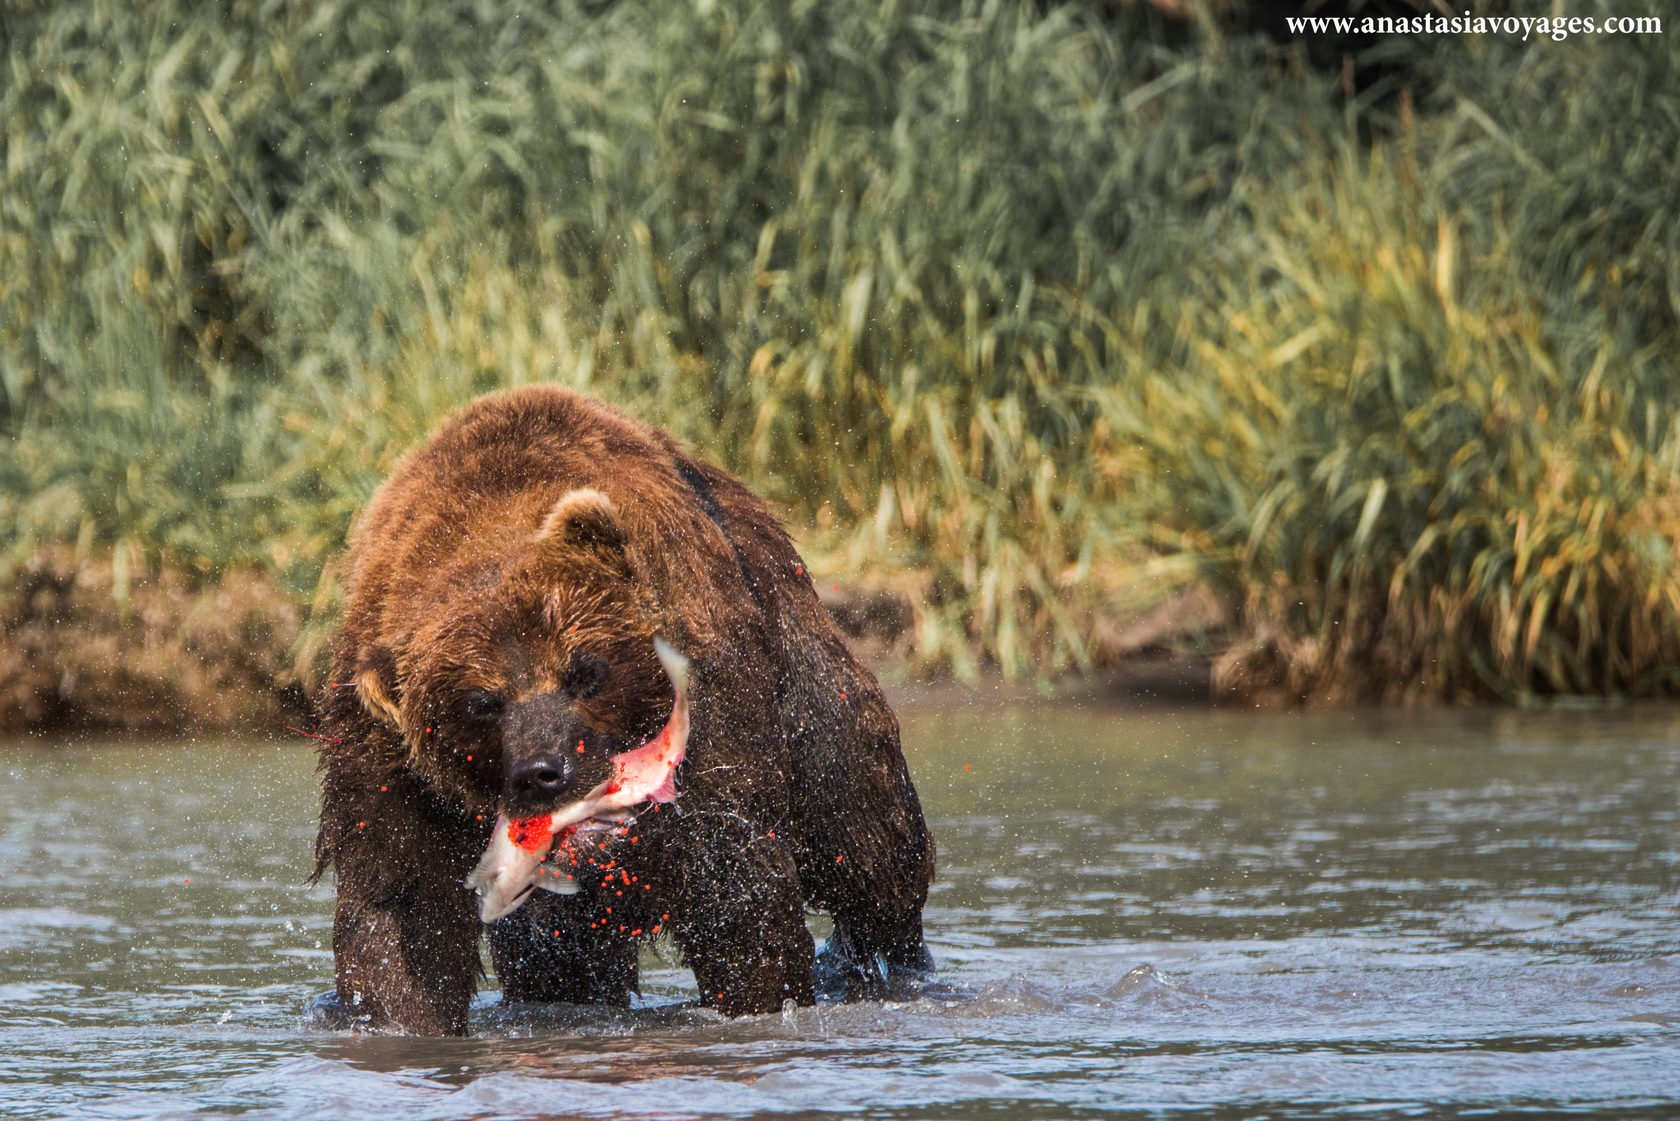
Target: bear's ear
[[376, 686], [585, 521]]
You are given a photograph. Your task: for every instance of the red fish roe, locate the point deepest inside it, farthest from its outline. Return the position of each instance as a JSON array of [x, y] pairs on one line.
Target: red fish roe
[[530, 833]]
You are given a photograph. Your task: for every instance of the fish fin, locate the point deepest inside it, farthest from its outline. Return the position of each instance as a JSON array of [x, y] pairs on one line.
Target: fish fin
[[560, 883]]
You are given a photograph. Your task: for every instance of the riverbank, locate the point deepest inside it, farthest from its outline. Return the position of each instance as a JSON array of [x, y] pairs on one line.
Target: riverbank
[[162, 651]]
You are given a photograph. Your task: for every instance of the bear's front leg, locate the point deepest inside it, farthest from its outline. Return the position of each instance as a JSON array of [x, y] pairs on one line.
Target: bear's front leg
[[405, 933], [741, 923], [406, 963]]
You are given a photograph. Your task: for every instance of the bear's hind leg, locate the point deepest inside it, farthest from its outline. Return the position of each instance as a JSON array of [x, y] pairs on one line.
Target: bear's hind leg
[[546, 951], [868, 859]]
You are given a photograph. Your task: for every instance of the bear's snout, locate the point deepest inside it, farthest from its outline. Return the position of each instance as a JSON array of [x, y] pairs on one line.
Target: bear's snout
[[543, 741], [539, 781]]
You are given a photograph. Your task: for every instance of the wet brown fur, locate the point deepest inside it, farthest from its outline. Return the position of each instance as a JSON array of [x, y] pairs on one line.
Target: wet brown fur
[[534, 525]]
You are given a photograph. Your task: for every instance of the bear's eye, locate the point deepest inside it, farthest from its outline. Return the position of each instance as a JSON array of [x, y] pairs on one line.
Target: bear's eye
[[585, 674], [482, 706]]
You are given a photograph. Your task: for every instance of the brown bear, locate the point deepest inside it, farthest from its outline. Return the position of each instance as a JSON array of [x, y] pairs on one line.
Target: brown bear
[[496, 652]]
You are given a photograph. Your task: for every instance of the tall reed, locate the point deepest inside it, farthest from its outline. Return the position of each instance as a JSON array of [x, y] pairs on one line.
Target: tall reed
[[1025, 314]]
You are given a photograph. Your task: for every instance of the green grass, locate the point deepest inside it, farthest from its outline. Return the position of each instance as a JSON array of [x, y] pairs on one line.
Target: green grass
[[1027, 315]]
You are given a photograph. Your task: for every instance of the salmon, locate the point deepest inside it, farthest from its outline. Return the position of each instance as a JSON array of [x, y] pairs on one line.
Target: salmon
[[518, 857]]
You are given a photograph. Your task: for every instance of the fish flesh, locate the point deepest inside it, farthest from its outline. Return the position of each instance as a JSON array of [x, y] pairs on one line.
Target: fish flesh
[[518, 858]]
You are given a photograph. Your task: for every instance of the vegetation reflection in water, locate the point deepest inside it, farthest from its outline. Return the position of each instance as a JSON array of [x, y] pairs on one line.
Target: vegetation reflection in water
[[1137, 911]]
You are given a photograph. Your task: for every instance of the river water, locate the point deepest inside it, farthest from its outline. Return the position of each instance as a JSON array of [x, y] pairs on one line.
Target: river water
[[1145, 912]]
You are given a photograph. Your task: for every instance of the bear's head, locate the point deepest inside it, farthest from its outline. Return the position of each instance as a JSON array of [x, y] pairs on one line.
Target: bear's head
[[517, 669]]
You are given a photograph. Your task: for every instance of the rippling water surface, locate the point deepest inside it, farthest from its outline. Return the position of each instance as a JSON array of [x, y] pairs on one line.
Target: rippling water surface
[[1157, 913]]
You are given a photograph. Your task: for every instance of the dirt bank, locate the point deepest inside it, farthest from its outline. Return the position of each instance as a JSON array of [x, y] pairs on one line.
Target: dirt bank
[[172, 651], [177, 651]]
